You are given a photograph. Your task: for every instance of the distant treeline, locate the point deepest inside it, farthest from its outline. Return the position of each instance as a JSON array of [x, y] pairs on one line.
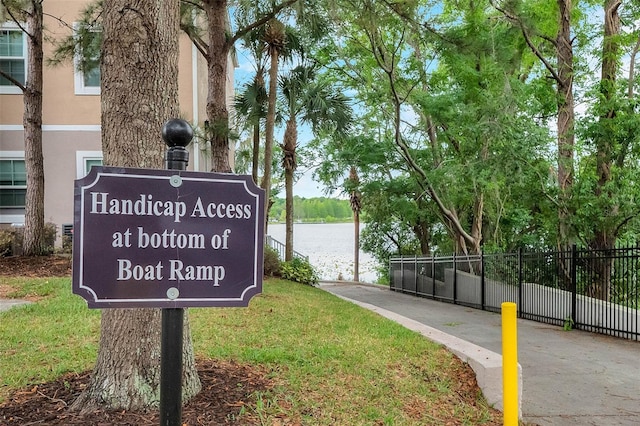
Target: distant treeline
[[318, 209]]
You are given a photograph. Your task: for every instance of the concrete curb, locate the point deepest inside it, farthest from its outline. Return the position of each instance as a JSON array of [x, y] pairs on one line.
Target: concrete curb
[[486, 364]]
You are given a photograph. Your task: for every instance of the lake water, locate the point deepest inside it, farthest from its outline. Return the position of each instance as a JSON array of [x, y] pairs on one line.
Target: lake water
[[330, 249]]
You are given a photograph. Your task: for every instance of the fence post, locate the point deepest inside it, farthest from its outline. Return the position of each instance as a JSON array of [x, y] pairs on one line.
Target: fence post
[[401, 273], [520, 282], [482, 289], [415, 276], [574, 284], [455, 279], [433, 276]]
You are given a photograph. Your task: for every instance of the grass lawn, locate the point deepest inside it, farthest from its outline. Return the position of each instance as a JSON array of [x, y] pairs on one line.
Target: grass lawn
[[335, 363]]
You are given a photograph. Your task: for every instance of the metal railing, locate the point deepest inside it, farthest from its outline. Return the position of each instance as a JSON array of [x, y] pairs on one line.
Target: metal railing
[[597, 291], [280, 249]]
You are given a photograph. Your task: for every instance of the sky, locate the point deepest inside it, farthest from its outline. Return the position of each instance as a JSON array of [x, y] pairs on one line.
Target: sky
[[305, 186]]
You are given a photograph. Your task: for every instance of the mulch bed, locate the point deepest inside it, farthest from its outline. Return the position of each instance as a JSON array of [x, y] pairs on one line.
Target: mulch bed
[[37, 266], [227, 387]]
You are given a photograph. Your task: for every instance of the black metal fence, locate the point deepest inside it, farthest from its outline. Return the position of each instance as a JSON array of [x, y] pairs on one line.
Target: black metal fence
[[597, 291], [280, 249]]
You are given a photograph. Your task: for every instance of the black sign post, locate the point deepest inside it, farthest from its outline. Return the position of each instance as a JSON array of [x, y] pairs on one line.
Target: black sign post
[[177, 134], [168, 239]]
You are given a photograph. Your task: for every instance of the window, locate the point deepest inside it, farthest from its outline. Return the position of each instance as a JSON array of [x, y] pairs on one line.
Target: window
[[13, 183], [90, 162], [87, 60], [85, 160], [13, 58]]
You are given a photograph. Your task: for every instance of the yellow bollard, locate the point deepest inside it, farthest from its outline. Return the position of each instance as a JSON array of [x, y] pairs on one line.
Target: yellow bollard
[[509, 364]]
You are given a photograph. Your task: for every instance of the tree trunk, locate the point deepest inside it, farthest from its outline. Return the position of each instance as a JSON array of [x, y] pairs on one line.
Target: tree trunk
[[476, 227], [139, 94], [127, 372], [217, 128], [289, 164], [566, 119], [605, 236], [33, 240], [354, 200], [565, 130], [422, 231], [269, 130], [255, 160]]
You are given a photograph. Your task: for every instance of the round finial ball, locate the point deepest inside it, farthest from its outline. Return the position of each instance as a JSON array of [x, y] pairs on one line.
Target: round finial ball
[[177, 132]]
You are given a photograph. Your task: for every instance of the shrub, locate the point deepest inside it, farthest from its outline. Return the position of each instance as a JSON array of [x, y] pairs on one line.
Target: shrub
[[16, 241], [272, 266], [50, 231], [17, 235], [67, 244], [299, 270], [6, 241]]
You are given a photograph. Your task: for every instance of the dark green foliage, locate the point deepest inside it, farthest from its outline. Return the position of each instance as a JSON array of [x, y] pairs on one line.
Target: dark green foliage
[[300, 271], [317, 209], [272, 265], [84, 44]]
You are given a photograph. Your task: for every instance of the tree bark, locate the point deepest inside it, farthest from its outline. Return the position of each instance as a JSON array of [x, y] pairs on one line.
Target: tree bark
[[139, 94], [33, 243], [566, 118], [269, 130], [476, 226], [289, 164], [217, 128], [127, 372], [255, 157], [422, 231], [255, 160]]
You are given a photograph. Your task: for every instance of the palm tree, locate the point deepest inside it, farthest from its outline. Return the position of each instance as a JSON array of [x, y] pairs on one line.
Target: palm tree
[[275, 40], [314, 103], [250, 104]]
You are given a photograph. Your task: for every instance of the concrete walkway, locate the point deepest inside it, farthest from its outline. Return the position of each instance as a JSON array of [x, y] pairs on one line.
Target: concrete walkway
[[569, 377], [6, 304]]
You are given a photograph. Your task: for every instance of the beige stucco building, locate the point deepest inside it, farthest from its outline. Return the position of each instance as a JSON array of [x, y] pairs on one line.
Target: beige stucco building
[[71, 118]]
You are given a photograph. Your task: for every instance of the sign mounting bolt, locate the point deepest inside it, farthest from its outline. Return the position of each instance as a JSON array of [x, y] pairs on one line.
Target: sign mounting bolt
[[175, 181], [173, 293]]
